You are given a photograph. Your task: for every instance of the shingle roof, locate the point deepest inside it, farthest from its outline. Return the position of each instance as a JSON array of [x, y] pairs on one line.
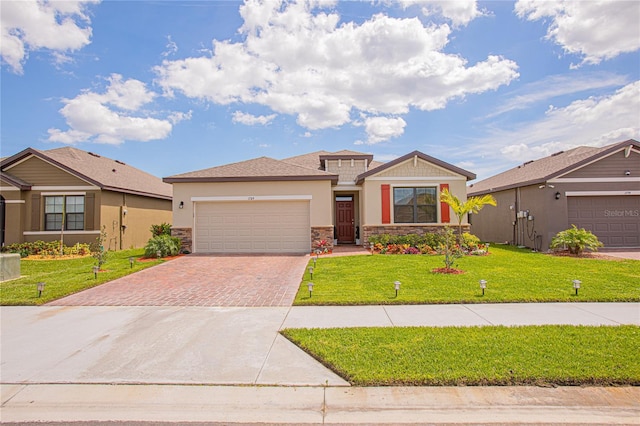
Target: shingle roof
[[103, 172], [263, 168], [543, 169], [311, 160], [15, 181]]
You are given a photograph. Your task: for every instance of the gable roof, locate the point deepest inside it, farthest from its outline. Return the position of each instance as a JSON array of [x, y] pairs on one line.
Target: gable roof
[[15, 181], [257, 169], [422, 156], [543, 169], [103, 172]]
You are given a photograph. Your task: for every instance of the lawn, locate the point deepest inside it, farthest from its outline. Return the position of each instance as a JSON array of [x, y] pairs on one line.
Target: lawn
[[484, 356], [512, 275], [66, 276]]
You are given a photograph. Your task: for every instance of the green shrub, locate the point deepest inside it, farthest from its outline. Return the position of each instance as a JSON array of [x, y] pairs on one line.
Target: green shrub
[[412, 240], [165, 244], [162, 229], [42, 248], [575, 240]]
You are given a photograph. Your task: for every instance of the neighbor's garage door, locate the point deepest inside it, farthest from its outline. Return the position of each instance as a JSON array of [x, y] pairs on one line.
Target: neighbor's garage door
[[615, 220], [252, 227]]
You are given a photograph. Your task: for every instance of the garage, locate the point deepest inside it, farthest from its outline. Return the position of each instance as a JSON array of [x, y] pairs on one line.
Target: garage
[[252, 226], [615, 220]]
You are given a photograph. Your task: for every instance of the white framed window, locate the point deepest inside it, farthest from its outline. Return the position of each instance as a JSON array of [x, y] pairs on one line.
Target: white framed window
[[67, 207]]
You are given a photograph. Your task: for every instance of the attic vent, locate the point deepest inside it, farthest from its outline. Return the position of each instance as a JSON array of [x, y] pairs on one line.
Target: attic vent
[[557, 153], [120, 162], [94, 154], [113, 170]]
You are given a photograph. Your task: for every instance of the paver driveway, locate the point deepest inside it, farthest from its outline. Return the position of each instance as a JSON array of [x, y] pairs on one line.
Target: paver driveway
[[202, 281]]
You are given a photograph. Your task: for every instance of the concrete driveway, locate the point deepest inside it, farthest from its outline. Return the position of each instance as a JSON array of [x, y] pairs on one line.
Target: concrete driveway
[[202, 281]]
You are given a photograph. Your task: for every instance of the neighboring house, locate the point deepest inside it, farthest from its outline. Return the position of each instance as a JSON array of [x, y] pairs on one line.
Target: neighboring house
[[265, 205], [43, 190], [593, 188]]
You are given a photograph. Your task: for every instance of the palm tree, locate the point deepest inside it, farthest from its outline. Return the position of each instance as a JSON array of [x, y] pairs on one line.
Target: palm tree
[[460, 209]]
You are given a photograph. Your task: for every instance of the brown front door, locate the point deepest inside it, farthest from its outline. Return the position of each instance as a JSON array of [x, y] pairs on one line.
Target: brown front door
[[345, 221]]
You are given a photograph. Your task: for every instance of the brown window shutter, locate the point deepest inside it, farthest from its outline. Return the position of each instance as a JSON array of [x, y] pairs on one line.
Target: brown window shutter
[[444, 207], [386, 203], [89, 211], [35, 212]]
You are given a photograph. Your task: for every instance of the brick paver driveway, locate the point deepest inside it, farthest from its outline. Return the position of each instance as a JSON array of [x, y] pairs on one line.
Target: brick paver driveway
[[202, 281]]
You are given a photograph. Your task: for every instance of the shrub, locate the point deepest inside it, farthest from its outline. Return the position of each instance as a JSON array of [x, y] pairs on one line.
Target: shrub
[[162, 229], [165, 244], [42, 248], [97, 248], [575, 240]]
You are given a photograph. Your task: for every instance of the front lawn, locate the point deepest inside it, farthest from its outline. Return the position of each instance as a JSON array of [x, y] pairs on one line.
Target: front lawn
[[66, 276], [484, 356], [512, 275]]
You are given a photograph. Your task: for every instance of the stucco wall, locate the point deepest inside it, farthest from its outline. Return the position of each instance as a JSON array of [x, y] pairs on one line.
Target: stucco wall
[[320, 192]]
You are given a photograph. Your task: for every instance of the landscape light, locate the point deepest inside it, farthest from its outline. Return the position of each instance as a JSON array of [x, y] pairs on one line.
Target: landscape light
[[96, 269], [131, 262], [310, 287], [158, 254], [576, 285], [483, 285], [311, 271], [40, 288], [396, 284], [315, 259]]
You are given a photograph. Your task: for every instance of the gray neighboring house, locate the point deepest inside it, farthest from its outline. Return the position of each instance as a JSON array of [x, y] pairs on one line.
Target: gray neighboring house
[[593, 188]]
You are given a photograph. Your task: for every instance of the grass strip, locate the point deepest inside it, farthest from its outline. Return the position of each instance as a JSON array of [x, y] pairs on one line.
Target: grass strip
[[512, 274], [63, 277], [478, 356]]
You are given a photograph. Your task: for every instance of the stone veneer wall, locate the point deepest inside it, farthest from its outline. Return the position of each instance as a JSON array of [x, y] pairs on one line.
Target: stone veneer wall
[[185, 235], [367, 231], [319, 233]]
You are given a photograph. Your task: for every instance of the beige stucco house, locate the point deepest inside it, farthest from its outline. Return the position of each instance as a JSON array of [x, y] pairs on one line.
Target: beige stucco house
[[597, 189], [265, 205], [67, 191]]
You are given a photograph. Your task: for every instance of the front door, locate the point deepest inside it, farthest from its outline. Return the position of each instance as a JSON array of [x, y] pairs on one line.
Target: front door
[[345, 220]]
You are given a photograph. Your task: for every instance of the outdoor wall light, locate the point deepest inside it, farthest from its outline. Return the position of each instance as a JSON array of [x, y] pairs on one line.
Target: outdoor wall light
[[627, 172], [311, 271], [131, 262], [396, 285], [181, 205], [576, 285], [96, 269], [40, 288], [557, 195], [483, 285], [310, 287]]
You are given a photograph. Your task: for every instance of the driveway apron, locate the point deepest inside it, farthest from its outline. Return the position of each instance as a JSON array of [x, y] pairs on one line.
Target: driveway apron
[[202, 281]]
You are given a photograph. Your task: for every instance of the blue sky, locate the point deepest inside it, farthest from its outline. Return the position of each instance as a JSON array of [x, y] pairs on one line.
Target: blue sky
[[176, 86]]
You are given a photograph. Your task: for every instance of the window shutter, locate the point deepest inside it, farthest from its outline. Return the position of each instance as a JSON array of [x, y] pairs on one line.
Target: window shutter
[[89, 211], [444, 207], [35, 212], [386, 203]]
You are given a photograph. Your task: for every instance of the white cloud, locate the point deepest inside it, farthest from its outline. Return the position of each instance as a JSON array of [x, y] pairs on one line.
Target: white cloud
[[380, 129], [596, 30], [460, 12], [595, 121], [172, 47], [29, 25], [251, 120], [113, 116], [296, 59]]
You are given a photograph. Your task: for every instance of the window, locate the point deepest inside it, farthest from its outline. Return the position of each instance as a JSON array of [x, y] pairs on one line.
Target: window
[[72, 206], [415, 205]]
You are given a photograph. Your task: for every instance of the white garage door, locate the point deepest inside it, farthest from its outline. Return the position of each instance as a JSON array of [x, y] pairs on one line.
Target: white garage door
[[252, 227], [615, 220]]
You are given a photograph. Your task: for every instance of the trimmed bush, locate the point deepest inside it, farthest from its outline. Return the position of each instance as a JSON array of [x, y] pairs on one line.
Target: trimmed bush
[[162, 229], [165, 244], [42, 248], [575, 240]]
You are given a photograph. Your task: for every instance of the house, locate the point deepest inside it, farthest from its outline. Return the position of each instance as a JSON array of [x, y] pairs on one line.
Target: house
[[266, 205], [43, 190], [593, 188]]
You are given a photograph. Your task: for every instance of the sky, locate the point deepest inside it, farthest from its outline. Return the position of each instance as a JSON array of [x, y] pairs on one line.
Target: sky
[[177, 86]]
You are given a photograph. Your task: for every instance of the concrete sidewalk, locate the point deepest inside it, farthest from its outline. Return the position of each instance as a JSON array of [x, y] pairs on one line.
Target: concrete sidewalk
[[178, 364]]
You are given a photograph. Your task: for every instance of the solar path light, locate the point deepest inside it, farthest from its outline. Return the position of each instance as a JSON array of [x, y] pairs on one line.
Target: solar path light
[[311, 271], [483, 285], [396, 285], [576, 285], [96, 269], [310, 287], [131, 262], [40, 286]]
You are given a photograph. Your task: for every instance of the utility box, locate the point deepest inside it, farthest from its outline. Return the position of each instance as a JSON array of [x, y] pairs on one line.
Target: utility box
[[9, 266]]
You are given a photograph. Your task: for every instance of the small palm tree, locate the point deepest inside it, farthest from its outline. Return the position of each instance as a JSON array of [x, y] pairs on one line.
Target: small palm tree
[[460, 209]]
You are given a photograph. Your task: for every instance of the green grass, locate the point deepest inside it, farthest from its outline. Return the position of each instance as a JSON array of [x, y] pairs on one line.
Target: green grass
[[513, 275], [65, 277], [454, 356]]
